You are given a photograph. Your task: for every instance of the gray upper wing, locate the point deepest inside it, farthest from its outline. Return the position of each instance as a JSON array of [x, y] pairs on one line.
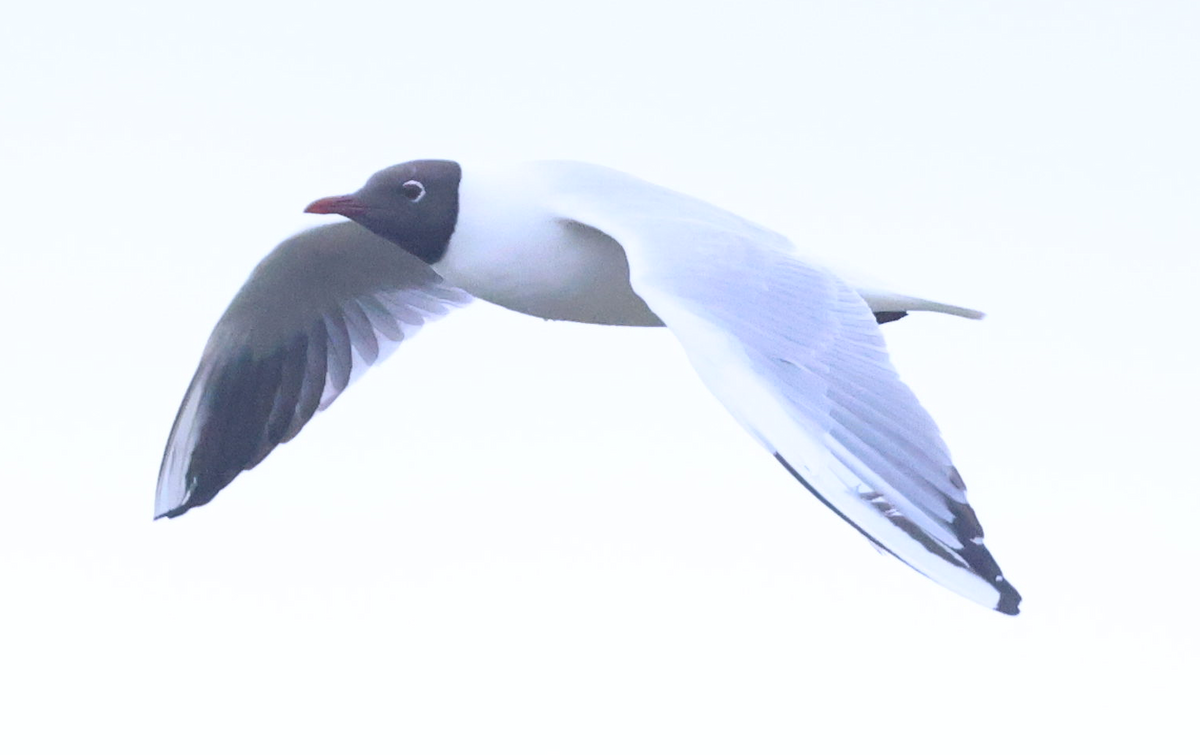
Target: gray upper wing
[[795, 354], [319, 310]]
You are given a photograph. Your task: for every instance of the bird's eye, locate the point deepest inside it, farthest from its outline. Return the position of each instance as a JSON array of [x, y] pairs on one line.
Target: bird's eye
[[414, 190]]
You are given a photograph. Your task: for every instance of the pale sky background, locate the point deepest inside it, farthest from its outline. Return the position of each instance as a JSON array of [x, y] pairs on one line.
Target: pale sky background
[[532, 537]]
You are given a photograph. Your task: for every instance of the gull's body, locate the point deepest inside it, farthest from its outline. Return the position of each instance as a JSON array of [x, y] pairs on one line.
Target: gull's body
[[792, 350]]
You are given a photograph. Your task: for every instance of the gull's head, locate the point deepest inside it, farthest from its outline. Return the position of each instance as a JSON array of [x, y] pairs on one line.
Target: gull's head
[[413, 204]]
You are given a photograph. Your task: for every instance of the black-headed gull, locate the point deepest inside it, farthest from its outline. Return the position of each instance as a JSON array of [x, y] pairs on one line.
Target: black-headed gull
[[791, 349]]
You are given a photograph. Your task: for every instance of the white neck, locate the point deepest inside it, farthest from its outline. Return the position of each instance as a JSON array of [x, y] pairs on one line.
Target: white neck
[[510, 247]]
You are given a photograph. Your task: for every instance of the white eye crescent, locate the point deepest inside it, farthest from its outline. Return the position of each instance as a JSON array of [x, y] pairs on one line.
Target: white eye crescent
[[414, 190]]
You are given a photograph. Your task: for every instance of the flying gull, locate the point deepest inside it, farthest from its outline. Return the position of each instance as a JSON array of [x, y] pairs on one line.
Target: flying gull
[[791, 349]]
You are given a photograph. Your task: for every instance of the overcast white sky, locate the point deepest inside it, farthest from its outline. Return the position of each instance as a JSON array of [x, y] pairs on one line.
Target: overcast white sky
[[548, 538]]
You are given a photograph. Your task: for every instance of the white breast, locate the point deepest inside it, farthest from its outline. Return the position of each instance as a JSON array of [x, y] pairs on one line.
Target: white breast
[[509, 250]]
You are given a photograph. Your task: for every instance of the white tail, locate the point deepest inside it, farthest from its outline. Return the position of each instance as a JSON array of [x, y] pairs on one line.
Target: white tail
[[886, 301]]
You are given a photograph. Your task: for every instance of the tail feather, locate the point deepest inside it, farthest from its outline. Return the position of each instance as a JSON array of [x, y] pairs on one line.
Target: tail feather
[[886, 301]]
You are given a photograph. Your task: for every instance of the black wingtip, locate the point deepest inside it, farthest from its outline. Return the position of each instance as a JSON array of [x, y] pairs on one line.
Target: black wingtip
[[249, 404], [1010, 599], [190, 502], [177, 511], [979, 557]]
